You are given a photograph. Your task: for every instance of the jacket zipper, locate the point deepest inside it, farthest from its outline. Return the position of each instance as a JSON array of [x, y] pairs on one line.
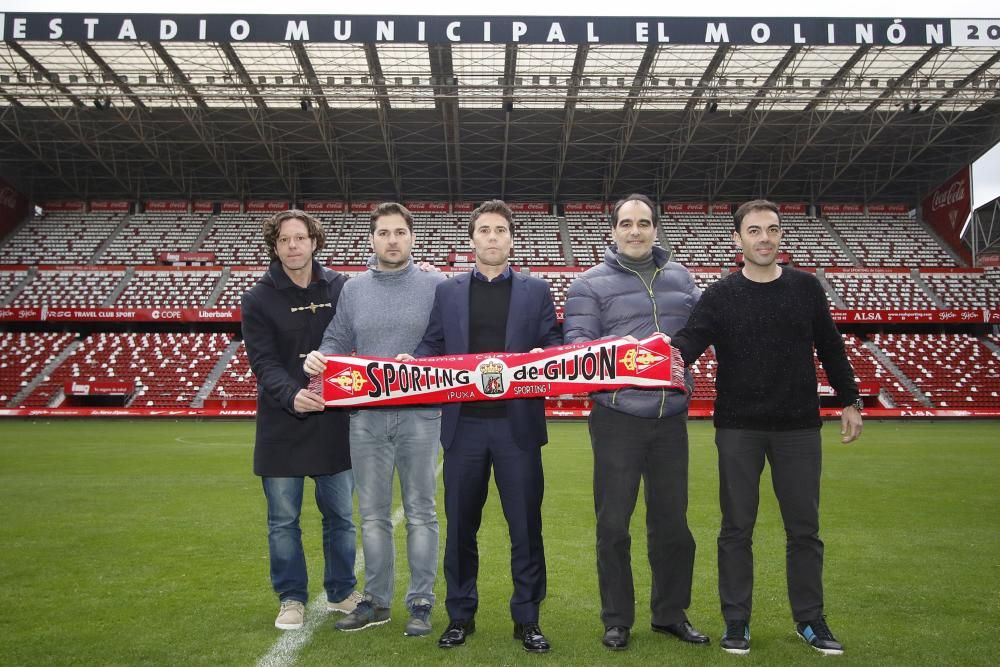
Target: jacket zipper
[[656, 323]]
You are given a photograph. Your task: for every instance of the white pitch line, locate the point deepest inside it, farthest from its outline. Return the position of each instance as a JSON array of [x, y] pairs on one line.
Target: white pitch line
[[285, 651]]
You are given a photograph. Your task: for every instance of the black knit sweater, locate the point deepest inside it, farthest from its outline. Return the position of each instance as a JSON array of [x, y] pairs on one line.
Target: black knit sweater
[[764, 335]]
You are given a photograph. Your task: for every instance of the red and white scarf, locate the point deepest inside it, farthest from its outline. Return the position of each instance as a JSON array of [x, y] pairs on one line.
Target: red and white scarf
[[568, 369]]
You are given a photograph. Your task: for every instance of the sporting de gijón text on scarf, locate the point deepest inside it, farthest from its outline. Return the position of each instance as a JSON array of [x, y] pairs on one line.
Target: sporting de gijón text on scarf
[[568, 369]]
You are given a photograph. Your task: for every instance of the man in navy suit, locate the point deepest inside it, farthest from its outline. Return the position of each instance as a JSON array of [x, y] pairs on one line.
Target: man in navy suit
[[492, 309]]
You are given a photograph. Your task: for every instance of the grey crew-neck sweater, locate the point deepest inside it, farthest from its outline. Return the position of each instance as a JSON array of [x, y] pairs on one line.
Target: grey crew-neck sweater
[[382, 313]]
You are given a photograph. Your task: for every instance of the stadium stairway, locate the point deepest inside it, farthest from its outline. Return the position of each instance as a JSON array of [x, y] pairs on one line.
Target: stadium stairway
[[904, 380], [119, 288], [832, 293], [213, 377], [205, 231], [109, 240], [839, 241], [564, 237], [44, 374], [931, 294], [18, 288], [220, 287]]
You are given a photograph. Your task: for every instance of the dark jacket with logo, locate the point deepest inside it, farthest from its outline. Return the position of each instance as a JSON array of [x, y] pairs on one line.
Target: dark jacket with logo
[[609, 300], [283, 322]]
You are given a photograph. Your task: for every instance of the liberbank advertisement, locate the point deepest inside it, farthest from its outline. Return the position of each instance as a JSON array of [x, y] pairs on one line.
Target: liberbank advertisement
[[886, 31]]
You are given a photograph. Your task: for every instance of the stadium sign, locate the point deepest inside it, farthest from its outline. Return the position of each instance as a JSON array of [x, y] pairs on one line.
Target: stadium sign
[[16, 26]]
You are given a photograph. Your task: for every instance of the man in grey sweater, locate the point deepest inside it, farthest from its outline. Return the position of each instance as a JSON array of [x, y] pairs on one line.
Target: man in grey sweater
[[381, 312]]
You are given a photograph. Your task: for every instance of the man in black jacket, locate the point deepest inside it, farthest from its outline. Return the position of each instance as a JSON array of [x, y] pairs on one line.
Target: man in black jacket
[[764, 322], [284, 316]]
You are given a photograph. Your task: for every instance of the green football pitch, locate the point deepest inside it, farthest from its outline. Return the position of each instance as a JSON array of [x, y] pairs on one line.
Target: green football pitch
[[126, 543]]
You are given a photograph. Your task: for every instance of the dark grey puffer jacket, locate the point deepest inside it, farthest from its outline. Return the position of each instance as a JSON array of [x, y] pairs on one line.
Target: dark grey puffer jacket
[[609, 301]]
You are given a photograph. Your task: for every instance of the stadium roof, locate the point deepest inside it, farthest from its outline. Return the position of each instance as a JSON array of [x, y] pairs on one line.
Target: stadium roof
[[103, 112]]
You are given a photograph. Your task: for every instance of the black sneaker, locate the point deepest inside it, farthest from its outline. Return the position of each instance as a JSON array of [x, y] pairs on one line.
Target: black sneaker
[[817, 634], [736, 640]]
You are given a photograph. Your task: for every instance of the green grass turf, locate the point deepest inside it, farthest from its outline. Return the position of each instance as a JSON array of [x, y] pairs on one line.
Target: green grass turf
[[126, 543]]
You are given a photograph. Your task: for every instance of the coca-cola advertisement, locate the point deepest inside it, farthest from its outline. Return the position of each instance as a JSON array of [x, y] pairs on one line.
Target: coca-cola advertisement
[[876, 209], [585, 207], [948, 207], [463, 207], [792, 209], [110, 206], [202, 206], [324, 206], [364, 206], [529, 207], [834, 209], [427, 206], [266, 206], [13, 207], [165, 206], [74, 206], [685, 207]]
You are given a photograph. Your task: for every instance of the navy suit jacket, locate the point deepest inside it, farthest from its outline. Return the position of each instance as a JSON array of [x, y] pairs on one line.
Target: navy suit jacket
[[531, 323]]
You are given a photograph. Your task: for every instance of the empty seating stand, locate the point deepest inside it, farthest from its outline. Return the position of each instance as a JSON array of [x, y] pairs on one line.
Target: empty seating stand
[[889, 240], [880, 291], [8, 281], [952, 370], [589, 235], [60, 238], [23, 356], [239, 282], [69, 288], [166, 368], [146, 235], [867, 368], [236, 239], [964, 290], [168, 289], [237, 382], [700, 239], [809, 243]]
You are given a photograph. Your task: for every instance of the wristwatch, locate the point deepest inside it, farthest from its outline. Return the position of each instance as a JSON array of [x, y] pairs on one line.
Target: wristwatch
[[856, 403]]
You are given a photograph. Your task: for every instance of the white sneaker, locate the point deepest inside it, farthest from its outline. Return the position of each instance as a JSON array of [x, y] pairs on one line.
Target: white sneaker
[[345, 606], [291, 615]]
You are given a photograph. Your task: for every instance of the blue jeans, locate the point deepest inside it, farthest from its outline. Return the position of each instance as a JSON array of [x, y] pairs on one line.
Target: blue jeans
[[406, 440], [284, 537]]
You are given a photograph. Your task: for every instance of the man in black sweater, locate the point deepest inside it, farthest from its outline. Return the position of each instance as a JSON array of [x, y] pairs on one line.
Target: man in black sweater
[[764, 322]]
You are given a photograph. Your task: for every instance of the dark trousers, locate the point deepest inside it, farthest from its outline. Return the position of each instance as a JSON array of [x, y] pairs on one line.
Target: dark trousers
[[795, 458], [479, 445], [627, 449]]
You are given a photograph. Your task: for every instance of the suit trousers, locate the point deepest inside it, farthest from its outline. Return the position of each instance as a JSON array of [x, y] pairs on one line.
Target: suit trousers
[[479, 447], [628, 449], [795, 458]]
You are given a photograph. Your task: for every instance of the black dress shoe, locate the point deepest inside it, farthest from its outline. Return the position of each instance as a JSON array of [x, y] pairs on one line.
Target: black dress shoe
[[682, 631], [531, 637], [456, 633], [616, 638]]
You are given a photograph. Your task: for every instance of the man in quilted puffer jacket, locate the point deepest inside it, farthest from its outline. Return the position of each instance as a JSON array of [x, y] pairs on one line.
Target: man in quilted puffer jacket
[[638, 433]]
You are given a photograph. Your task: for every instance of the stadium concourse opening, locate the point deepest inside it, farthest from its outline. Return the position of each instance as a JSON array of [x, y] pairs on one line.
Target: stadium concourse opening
[[140, 153]]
